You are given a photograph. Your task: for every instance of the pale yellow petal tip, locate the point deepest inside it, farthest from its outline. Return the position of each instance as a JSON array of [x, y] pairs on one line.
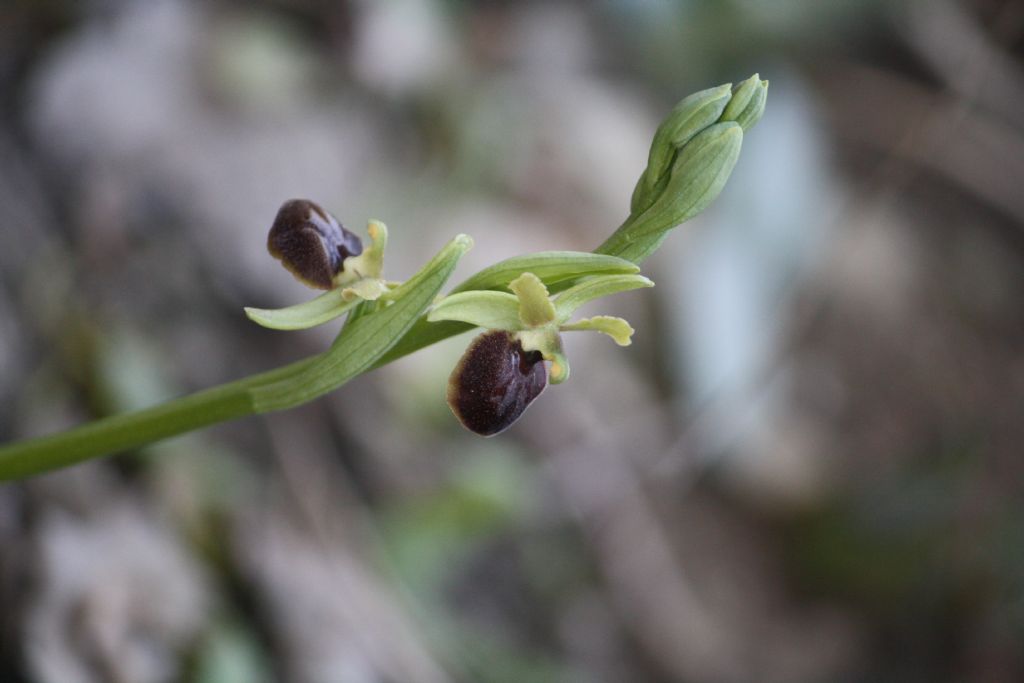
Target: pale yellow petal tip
[[376, 230], [535, 307], [624, 340], [620, 337]]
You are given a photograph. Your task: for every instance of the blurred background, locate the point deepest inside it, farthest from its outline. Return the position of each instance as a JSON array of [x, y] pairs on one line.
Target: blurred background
[[808, 467]]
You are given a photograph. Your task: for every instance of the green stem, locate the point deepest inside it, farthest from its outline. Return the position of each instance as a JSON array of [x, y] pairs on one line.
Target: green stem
[[357, 349], [623, 244], [129, 430]]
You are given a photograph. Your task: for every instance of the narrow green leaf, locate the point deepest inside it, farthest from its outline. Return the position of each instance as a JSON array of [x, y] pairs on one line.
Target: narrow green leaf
[[616, 328], [318, 311], [488, 309], [594, 288], [363, 342], [535, 308], [549, 266]]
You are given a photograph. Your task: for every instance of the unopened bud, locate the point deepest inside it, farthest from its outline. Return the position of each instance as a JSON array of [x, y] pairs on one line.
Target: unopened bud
[[692, 115], [747, 103]]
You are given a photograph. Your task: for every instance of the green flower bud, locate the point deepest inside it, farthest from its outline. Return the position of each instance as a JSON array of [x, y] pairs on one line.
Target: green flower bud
[[692, 115], [747, 103], [693, 153]]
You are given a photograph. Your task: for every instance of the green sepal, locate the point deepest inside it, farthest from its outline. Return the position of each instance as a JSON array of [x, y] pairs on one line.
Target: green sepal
[[535, 307], [363, 342], [488, 309], [616, 328], [699, 173], [550, 266], [592, 288], [322, 309]]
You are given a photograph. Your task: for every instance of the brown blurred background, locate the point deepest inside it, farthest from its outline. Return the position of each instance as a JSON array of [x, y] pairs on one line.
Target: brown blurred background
[[808, 467]]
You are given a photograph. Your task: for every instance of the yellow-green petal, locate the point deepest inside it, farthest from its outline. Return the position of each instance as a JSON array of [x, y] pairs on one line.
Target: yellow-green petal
[[616, 328], [535, 307]]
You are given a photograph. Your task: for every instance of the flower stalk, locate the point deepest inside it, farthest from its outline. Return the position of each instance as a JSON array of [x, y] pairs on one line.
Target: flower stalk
[[692, 155]]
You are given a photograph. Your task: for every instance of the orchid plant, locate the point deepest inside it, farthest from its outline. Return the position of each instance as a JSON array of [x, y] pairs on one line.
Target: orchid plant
[[523, 303]]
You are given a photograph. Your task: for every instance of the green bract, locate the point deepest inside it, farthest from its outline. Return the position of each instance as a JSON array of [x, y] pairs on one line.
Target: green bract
[[747, 103], [595, 288], [692, 115]]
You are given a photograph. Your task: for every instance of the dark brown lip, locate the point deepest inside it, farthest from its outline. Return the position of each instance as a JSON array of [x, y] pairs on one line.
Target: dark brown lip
[[494, 383]]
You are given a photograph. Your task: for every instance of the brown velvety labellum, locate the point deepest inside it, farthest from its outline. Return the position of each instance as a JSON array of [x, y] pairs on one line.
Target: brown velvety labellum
[[494, 383], [311, 243]]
